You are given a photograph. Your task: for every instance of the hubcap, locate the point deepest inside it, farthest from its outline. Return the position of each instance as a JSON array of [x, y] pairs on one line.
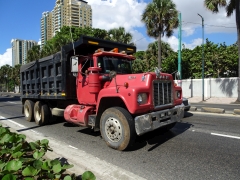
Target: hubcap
[[26, 111], [38, 114], [113, 129]]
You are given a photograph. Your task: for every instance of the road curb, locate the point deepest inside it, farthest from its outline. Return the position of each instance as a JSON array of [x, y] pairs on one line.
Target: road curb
[[212, 110], [236, 111], [4, 95]]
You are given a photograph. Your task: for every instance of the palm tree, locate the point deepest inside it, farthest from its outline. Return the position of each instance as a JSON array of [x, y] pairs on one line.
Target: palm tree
[[16, 75], [33, 54], [161, 18], [151, 54], [120, 35], [5, 73], [231, 6]]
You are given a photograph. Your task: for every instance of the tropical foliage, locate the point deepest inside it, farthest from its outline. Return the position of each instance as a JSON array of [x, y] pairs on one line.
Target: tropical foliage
[[120, 35], [71, 34], [230, 6], [20, 159], [9, 77], [160, 18], [220, 60]]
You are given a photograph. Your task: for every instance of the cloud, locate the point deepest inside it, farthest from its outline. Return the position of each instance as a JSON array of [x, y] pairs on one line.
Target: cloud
[[194, 43], [214, 22], [140, 40], [6, 58], [173, 41], [127, 13], [39, 42], [115, 13]]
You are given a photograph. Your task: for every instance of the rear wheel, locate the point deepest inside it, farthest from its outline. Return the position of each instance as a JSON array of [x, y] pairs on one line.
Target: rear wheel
[[41, 113], [117, 128], [28, 110]]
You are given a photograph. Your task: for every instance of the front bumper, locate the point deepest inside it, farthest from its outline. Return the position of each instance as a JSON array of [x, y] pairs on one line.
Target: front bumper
[[154, 120]]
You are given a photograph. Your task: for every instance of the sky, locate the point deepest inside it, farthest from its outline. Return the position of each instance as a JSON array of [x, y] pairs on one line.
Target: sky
[[20, 19]]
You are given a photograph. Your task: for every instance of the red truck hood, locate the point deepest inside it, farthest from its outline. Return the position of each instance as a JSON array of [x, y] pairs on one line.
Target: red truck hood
[[128, 86]]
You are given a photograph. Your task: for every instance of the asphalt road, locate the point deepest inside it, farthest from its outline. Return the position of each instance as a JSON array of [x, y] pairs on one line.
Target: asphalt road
[[227, 107], [202, 146]]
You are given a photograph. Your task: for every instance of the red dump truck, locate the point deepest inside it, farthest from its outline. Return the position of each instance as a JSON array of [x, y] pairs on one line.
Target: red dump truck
[[90, 83]]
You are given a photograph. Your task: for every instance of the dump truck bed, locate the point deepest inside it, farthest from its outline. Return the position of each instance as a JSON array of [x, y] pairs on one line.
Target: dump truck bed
[[51, 77]]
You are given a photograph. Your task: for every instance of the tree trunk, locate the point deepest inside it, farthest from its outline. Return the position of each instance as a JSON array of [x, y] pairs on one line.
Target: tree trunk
[[159, 52], [238, 36]]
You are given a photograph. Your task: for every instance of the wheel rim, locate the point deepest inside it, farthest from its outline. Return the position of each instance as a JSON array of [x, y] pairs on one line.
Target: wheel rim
[[113, 129], [26, 111], [38, 114]]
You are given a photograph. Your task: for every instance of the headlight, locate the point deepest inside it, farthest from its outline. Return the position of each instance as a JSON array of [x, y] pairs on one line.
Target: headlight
[[178, 94], [142, 98]]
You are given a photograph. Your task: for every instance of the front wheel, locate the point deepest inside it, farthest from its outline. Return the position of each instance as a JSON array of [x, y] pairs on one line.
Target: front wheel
[[117, 128]]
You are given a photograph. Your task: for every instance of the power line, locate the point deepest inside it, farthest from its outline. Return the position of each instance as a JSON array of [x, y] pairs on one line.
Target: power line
[[208, 25], [139, 39], [219, 26]]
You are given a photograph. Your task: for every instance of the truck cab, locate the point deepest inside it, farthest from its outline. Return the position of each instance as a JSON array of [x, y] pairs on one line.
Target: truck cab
[[105, 81]]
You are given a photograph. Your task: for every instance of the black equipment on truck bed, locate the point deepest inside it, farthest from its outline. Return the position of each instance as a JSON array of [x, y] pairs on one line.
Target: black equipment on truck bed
[[51, 77]]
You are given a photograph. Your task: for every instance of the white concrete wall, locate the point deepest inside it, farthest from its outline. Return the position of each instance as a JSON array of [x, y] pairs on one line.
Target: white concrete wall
[[213, 87]]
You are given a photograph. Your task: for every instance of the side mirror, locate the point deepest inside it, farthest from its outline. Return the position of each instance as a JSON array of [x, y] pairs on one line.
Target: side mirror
[[177, 75], [74, 64], [112, 74]]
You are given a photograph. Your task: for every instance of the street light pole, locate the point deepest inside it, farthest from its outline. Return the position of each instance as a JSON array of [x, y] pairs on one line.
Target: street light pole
[[202, 57], [6, 83], [180, 45]]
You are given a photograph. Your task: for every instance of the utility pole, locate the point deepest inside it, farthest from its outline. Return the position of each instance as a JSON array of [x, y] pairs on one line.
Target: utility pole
[[202, 57], [180, 44]]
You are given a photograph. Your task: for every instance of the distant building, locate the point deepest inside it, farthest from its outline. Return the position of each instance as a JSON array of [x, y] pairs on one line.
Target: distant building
[[20, 49], [46, 27], [65, 13]]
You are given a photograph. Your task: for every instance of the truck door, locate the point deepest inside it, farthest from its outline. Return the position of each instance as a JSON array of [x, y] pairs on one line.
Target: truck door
[[84, 97]]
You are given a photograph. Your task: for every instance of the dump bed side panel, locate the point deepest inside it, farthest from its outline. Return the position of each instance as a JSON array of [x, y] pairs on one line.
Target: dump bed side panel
[[48, 78]]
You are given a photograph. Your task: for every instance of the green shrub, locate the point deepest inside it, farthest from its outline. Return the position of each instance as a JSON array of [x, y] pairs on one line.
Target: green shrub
[[20, 159]]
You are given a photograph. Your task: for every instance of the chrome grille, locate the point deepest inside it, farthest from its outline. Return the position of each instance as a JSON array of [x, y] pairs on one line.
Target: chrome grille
[[162, 93]]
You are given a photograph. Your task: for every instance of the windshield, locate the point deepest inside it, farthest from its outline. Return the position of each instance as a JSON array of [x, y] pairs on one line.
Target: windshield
[[118, 64]]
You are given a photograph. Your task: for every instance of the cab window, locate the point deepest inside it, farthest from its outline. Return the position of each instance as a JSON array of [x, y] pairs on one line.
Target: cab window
[[85, 65]]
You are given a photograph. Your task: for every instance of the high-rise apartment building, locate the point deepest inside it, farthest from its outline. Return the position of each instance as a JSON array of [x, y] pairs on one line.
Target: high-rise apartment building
[[65, 13], [20, 49], [46, 27]]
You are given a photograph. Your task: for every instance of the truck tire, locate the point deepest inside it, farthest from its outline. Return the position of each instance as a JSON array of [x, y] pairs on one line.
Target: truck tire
[[28, 110], [117, 128], [41, 113]]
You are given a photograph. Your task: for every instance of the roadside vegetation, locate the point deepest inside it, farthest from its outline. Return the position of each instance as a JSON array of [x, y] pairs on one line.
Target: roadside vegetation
[[230, 6], [20, 159]]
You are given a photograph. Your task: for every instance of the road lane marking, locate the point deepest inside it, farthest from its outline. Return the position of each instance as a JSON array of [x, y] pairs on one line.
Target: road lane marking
[[12, 102], [72, 147], [35, 131], [16, 123], [224, 135], [20, 125], [214, 114]]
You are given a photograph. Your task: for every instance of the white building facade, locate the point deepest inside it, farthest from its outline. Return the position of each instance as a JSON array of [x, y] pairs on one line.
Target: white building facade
[[20, 49]]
